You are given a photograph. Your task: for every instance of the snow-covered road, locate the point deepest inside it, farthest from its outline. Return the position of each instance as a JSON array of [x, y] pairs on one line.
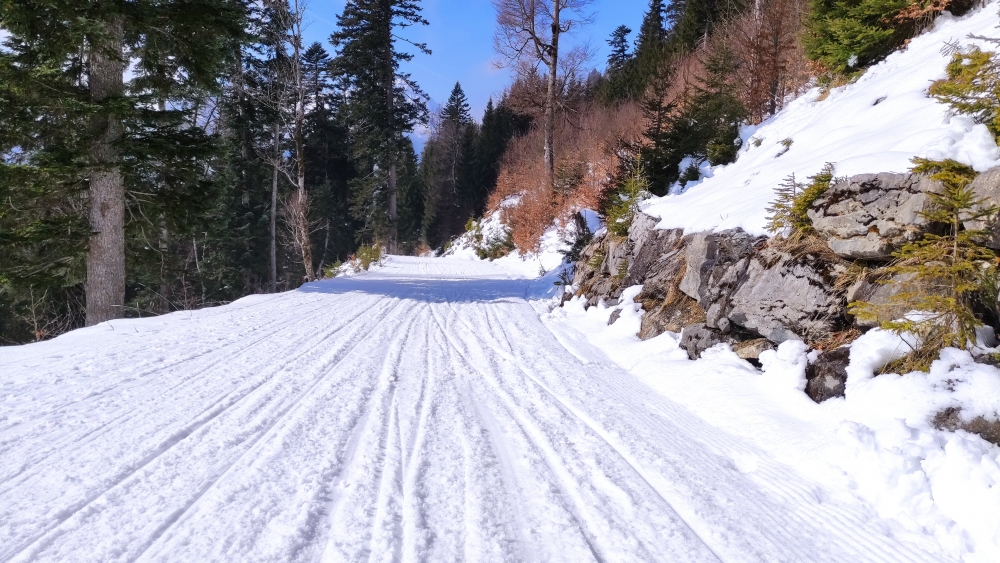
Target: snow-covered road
[[423, 412]]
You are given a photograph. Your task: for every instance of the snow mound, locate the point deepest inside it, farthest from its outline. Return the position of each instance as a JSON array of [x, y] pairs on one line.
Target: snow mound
[[876, 124]]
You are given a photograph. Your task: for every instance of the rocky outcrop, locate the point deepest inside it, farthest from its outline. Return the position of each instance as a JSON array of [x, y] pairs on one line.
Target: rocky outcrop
[[733, 283], [731, 286], [715, 266], [868, 217], [987, 186], [826, 378], [789, 295]]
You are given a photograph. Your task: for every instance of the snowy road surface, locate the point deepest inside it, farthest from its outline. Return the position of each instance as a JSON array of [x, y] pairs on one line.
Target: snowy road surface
[[423, 412]]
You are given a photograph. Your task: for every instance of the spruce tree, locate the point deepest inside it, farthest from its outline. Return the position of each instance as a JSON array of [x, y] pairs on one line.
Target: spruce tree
[[84, 135], [619, 55], [383, 104], [942, 272]]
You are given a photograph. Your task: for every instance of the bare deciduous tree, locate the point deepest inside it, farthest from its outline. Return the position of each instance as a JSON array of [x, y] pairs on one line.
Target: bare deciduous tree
[[288, 93], [527, 35]]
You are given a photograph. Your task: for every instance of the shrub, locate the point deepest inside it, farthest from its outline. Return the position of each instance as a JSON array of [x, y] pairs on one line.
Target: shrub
[[366, 256], [496, 247], [972, 87], [789, 212], [944, 273], [623, 203]]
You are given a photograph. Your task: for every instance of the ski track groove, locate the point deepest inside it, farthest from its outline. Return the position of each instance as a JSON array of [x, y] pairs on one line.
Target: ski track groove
[[420, 413]]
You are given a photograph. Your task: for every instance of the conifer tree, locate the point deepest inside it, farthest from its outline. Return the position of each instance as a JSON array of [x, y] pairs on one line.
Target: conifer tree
[[942, 273], [83, 133], [383, 104], [619, 55]]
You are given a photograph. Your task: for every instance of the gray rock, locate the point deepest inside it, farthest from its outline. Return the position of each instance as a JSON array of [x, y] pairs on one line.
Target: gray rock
[[870, 290], [826, 378], [615, 315], [697, 338], [714, 263], [987, 186], [788, 297], [868, 217]]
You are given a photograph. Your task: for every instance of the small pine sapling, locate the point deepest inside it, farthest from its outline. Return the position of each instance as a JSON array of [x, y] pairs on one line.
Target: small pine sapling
[[782, 217], [943, 273], [625, 205], [789, 211], [972, 87]]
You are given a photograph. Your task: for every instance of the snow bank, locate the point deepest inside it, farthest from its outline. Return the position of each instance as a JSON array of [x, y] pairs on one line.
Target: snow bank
[[876, 124], [551, 247], [877, 443]]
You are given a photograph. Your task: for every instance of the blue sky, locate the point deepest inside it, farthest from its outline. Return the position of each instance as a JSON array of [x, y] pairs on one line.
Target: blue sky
[[460, 35]]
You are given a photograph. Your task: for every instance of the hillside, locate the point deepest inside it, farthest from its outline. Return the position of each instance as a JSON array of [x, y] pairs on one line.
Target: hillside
[[875, 124]]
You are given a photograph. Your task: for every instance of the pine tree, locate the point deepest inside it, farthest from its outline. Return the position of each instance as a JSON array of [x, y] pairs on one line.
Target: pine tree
[[943, 273], [83, 134], [456, 109], [619, 55], [383, 104]]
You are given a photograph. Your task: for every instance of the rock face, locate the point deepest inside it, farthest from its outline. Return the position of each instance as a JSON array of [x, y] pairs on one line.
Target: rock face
[[826, 378], [868, 217], [715, 266], [987, 186], [732, 282], [742, 283]]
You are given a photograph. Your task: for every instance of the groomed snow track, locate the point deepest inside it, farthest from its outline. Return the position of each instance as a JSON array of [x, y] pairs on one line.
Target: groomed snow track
[[424, 412]]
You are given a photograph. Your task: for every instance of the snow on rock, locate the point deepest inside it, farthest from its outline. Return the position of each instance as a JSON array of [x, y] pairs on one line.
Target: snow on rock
[[878, 442], [876, 124]]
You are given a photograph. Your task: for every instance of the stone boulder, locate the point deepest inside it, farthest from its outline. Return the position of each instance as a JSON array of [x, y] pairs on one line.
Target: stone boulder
[[751, 350], [826, 378], [868, 217], [697, 338]]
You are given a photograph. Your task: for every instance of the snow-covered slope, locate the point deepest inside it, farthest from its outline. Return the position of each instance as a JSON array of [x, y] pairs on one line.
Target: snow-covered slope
[[876, 124]]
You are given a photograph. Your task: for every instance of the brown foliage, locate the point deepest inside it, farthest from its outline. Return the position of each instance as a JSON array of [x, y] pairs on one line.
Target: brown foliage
[[771, 64], [587, 161]]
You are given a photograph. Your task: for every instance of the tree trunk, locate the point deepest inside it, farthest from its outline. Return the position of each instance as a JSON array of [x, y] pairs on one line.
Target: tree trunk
[[390, 105], [550, 100], [105, 285], [393, 242], [301, 94], [273, 273]]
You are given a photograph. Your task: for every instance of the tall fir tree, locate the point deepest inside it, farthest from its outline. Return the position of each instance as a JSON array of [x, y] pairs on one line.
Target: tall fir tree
[[619, 55], [383, 104]]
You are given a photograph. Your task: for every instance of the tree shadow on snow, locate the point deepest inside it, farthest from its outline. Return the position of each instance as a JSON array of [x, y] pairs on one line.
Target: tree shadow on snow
[[439, 290]]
